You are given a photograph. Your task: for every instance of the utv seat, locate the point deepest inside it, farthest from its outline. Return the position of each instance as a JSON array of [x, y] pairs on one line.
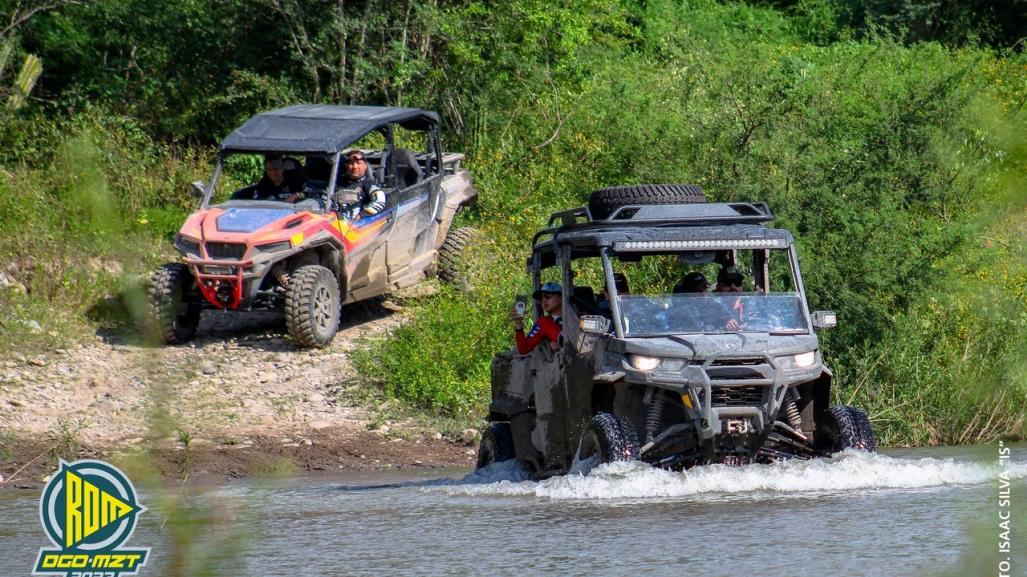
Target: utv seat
[[584, 300], [408, 171], [318, 168]]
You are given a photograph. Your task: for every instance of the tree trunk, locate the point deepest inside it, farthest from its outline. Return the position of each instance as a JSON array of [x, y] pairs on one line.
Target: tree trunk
[[355, 79], [343, 37], [403, 51]]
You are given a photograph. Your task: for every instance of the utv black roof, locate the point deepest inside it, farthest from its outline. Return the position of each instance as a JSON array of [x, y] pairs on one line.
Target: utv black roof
[[666, 228], [320, 128]]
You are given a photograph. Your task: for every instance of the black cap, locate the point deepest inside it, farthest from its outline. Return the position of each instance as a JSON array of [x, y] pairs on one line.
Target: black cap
[[730, 273], [692, 282]]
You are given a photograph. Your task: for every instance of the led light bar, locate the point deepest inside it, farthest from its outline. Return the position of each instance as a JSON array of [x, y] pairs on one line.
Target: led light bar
[[642, 245]]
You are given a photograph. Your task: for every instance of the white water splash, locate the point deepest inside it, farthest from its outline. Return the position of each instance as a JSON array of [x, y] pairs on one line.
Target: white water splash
[[847, 471]]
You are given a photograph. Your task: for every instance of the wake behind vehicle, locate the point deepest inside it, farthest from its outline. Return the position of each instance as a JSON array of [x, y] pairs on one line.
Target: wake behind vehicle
[[310, 257], [668, 373]]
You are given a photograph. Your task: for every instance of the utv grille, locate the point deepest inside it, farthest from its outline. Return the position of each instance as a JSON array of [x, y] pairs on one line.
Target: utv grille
[[737, 369], [188, 247], [737, 396], [226, 250], [733, 373], [738, 362]]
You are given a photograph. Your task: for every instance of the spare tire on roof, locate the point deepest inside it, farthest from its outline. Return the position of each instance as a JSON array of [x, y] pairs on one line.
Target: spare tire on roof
[[602, 202]]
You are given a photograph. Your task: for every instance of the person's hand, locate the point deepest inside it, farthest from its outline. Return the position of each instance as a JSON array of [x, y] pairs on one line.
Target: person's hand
[[293, 197], [518, 320], [739, 311]]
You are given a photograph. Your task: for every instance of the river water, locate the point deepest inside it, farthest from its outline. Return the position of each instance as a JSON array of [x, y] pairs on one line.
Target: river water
[[902, 512]]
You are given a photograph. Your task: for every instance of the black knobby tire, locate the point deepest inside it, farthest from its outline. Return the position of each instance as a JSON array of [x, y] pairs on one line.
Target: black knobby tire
[[312, 306], [453, 251], [496, 445], [609, 438], [866, 432], [851, 429], [174, 307], [602, 202]]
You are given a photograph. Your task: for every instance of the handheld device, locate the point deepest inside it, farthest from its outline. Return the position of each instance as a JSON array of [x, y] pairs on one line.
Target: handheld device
[[521, 304]]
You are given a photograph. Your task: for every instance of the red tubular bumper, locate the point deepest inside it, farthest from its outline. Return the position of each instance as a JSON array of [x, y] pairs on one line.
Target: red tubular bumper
[[210, 284]]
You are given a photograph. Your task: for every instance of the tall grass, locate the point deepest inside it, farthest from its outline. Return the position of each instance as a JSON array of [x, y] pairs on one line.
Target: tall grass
[[80, 219]]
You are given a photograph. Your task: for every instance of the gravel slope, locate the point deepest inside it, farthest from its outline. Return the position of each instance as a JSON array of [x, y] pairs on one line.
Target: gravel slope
[[240, 388]]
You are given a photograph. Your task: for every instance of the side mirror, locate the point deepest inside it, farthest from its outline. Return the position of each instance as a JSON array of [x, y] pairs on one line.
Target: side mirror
[[825, 319], [199, 188], [594, 324]]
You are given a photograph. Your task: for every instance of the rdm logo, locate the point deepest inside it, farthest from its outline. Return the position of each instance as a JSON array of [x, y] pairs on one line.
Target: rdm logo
[[89, 510]]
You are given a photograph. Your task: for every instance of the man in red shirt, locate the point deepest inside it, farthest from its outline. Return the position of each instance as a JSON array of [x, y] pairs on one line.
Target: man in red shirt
[[547, 327]]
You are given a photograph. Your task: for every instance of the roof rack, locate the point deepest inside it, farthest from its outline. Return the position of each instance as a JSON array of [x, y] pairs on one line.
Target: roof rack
[[649, 215], [707, 212], [569, 217]]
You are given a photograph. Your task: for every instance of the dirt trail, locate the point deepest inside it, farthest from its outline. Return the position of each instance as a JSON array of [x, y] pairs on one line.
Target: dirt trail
[[238, 395]]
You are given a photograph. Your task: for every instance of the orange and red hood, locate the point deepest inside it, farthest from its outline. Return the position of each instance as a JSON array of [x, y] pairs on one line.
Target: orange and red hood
[[262, 226]]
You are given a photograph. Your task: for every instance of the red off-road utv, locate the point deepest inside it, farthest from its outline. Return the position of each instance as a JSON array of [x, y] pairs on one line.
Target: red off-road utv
[[310, 257]]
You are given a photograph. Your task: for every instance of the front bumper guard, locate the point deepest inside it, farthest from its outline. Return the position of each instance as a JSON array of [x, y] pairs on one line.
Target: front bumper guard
[[695, 382], [210, 284]]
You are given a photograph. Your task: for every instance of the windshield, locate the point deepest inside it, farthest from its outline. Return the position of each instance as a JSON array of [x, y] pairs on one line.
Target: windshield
[[293, 178], [711, 313], [247, 179], [709, 291]]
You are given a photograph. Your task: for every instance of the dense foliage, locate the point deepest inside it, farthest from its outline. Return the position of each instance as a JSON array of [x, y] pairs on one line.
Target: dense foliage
[[897, 161]]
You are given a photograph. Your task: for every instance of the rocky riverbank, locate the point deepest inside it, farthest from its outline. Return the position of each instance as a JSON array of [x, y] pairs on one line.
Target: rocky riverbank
[[239, 400]]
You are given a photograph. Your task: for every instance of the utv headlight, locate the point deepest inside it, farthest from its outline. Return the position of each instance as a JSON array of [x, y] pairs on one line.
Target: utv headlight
[[643, 363], [187, 246], [274, 247], [805, 359]]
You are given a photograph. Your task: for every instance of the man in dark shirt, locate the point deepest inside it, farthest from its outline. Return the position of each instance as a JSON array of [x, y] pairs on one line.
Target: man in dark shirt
[[700, 313], [729, 280], [282, 181], [358, 179], [603, 302]]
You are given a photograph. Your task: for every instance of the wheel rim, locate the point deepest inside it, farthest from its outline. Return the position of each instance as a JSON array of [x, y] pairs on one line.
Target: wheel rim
[[488, 454], [591, 447], [323, 312], [589, 455], [182, 310]]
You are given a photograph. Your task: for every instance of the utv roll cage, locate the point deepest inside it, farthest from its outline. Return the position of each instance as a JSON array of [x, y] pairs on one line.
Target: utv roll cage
[[327, 130], [704, 214], [666, 228]]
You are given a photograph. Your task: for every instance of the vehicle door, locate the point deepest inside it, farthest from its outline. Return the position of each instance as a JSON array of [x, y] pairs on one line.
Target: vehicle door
[[576, 360], [415, 164], [555, 410]]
